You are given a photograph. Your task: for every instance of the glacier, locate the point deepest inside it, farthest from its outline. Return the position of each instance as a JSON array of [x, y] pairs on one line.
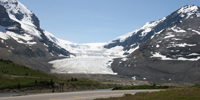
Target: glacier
[[90, 58], [83, 65]]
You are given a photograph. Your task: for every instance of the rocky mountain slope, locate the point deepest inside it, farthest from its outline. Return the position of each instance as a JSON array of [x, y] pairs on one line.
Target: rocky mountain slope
[[173, 55], [129, 42]]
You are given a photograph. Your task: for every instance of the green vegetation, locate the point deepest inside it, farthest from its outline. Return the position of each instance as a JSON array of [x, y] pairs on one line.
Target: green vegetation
[[15, 76], [127, 94], [141, 87], [192, 93], [7, 67]]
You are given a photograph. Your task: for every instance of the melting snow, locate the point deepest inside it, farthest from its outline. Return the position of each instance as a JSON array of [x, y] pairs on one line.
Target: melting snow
[[194, 54], [170, 36], [181, 45], [157, 46], [163, 57], [156, 34], [177, 29], [46, 45], [110, 62], [189, 29], [133, 49], [176, 39], [2, 41], [46, 49], [196, 31], [51, 54], [134, 78], [124, 59], [158, 55]]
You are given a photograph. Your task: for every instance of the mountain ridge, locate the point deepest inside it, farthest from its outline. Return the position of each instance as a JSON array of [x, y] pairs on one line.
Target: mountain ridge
[[133, 39]]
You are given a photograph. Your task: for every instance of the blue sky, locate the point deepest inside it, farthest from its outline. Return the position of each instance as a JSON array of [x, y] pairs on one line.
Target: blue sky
[[92, 21]]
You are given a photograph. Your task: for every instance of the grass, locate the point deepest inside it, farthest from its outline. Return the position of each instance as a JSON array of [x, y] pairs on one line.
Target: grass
[[9, 68], [127, 94], [192, 93], [17, 76]]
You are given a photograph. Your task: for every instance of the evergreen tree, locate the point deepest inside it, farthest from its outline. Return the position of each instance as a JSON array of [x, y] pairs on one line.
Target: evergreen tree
[[75, 79], [72, 79], [35, 81], [19, 86], [52, 83]]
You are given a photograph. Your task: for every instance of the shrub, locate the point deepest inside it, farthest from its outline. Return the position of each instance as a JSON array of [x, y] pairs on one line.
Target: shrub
[[127, 94]]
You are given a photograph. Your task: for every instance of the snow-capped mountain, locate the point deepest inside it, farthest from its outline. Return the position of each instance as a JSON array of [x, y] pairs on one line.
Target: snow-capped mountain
[[22, 40], [19, 13], [173, 55], [130, 42]]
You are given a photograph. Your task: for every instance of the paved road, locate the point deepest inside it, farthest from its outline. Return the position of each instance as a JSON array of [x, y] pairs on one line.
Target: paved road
[[87, 95]]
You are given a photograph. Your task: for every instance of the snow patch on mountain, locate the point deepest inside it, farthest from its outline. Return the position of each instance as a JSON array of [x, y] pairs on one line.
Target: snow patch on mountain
[[169, 35], [196, 32], [178, 29], [22, 39], [163, 57], [180, 45]]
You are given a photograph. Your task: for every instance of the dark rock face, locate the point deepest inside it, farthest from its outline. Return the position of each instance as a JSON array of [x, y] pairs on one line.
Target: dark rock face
[[35, 20], [5, 19], [3, 12], [177, 58]]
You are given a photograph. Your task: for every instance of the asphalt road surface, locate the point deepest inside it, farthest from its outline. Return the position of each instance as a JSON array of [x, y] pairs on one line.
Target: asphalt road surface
[[82, 95]]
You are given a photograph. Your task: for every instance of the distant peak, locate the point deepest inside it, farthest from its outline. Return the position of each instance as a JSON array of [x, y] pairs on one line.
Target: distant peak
[[189, 9], [9, 1]]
